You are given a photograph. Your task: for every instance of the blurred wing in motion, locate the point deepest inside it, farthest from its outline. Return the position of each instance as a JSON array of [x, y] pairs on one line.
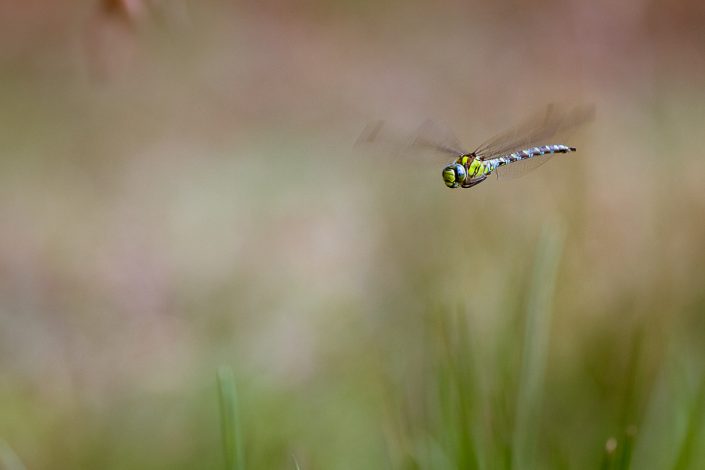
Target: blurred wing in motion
[[430, 141], [538, 130], [434, 137]]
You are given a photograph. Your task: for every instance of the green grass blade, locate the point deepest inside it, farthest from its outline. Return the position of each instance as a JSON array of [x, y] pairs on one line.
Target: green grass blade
[[230, 420], [535, 348], [627, 449], [693, 432], [465, 388], [609, 456], [8, 459]]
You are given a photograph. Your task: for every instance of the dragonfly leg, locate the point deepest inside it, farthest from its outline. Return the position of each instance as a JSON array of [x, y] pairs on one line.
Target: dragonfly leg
[[473, 181]]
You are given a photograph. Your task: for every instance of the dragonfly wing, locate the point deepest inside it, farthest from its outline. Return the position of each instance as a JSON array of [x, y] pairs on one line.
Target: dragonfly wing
[[539, 129], [435, 137], [430, 141], [520, 168]]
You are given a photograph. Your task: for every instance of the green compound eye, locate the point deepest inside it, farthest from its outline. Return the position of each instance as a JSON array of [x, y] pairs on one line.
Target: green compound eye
[[454, 175]]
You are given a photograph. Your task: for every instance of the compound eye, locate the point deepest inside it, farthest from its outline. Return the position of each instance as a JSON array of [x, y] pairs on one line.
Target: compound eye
[[449, 176], [460, 173]]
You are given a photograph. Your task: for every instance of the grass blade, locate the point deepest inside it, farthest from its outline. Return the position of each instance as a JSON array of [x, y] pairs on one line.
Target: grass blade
[[609, 456], [535, 348], [8, 459], [230, 420], [693, 432]]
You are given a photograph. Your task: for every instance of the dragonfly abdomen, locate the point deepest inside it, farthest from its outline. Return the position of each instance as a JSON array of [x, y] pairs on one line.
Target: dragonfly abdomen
[[542, 150], [494, 163]]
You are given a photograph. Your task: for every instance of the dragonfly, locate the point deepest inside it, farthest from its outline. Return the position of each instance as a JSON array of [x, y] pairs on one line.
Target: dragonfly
[[509, 154]]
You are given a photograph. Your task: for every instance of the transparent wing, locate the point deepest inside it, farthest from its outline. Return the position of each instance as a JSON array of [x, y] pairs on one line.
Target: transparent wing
[[435, 137], [539, 129], [522, 167], [431, 140]]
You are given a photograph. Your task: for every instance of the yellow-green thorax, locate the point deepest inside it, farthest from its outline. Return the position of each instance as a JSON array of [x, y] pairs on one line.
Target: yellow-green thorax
[[473, 166]]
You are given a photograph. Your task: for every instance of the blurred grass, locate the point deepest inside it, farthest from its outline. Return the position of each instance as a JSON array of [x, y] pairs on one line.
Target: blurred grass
[[8, 459], [535, 350], [201, 207], [230, 420], [692, 439]]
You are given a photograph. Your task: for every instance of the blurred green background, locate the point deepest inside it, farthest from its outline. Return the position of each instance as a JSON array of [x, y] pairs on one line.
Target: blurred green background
[[179, 192]]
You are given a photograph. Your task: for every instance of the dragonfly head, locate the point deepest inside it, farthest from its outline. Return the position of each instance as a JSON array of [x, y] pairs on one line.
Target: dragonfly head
[[454, 175]]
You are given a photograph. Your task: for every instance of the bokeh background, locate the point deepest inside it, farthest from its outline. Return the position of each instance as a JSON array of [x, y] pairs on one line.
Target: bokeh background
[[179, 191]]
